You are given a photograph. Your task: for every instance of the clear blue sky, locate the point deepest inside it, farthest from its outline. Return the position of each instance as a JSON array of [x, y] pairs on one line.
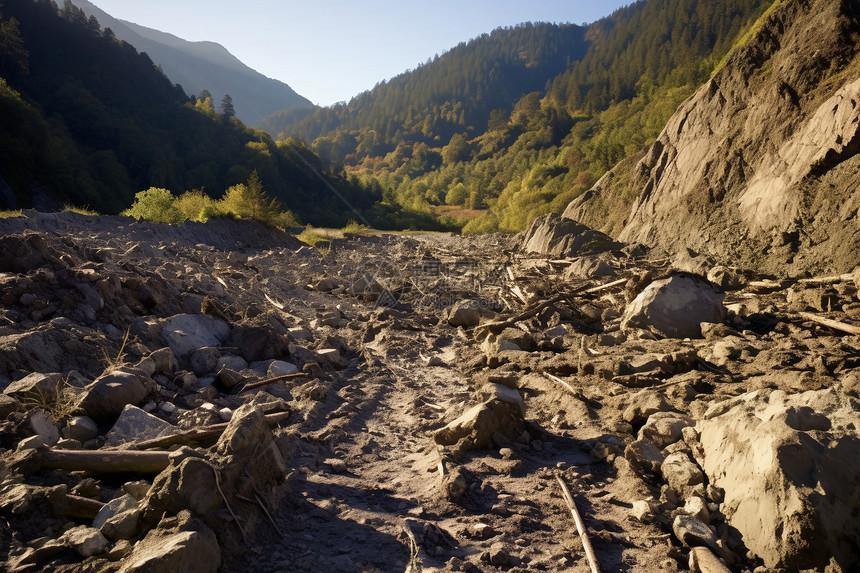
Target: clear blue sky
[[331, 50]]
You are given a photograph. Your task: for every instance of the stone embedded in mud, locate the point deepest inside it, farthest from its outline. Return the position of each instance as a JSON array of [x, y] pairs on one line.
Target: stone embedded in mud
[[665, 428], [644, 457], [790, 468], [105, 399], [675, 307], [204, 360], [645, 403], [478, 424], [185, 333], [466, 313]]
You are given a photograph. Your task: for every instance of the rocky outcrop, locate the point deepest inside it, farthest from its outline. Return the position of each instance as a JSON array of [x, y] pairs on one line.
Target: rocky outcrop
[[759, 166], [560, 237]]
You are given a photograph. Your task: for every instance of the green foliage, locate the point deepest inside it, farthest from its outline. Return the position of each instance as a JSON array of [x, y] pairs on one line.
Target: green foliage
[[355, 228], [156, 205], [79, 210]]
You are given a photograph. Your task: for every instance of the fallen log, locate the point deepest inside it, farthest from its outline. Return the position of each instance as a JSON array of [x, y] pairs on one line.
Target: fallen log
[[105, 461], [580, 527], [81, 507], [198, 434], [703, 561], [829, 323]]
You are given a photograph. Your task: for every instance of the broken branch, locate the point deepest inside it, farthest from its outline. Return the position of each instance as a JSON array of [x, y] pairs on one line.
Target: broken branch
[[251, 386], [580, 527], [198, 434], [834, 324]]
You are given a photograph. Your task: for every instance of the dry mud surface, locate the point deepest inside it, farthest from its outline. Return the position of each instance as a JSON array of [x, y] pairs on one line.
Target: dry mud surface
[[362, 469]]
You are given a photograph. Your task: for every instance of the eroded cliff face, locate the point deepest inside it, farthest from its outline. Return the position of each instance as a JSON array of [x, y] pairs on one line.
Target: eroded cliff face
[[760, 167]]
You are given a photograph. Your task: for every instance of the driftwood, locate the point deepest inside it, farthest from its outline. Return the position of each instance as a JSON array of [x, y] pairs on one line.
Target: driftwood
[[606, 286], [829, 323], [576, 393], [105, 461], [198, 434], [702, 560], [580, 527]]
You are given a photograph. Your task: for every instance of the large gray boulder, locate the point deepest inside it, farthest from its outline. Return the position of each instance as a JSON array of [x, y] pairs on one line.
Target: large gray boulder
[[185, 333], [560, 237], [675, 307], [790, 469]]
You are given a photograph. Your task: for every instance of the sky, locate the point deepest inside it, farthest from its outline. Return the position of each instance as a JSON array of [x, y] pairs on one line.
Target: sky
[[332, 50]]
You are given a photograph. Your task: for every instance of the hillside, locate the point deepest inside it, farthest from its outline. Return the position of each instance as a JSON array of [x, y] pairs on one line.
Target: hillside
[[88, 120], [759, 167], [569, 102], [198, 66]]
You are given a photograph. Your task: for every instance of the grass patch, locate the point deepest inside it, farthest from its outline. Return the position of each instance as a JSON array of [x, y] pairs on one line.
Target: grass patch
[[355, 228], [11, 213], [119, 360], [67, 208], [59, 405]]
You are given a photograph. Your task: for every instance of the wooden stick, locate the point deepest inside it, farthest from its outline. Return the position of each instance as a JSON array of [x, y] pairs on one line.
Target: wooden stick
[[251, 386], [198, 434], [834, 324], [619, 282], [828, 280], [106, 461], [580, 527], [576, 393]]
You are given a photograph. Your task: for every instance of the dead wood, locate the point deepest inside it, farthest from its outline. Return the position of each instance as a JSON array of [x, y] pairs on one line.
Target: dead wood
[[198, 434], [829, 323], [82, 507], [580, 527], [245, 387], [105, 461], [701, 559]]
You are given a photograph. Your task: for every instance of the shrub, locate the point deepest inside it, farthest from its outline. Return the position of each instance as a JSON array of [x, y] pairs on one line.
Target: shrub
[[156, 205]]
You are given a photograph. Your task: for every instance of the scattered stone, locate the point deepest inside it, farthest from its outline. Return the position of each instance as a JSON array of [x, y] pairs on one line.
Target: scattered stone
[[281, 368], [500, 413], [644, 511], [665, 428], [726, 279], [644, 457], [332, 357], [204, 360], [645, 403], [683, 475], [81, 428], [44, 427], [696, 507], [675, 307], [165, 361]]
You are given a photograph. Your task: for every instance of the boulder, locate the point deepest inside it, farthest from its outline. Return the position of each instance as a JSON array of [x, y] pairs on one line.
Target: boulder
[[665, 428], [185, 333], [183, 543], [35, 386], [589, 268], [644, 457], [683, 475], [790, 468], [105, 399], [466, 313], [501, 412], [87, 541], [561, 237], [675, 307], [204, 361]]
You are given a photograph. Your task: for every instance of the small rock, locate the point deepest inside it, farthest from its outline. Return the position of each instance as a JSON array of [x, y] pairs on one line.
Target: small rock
[[165, 361], [281, 368], [665, 428], [205, 360], [682, 474], [466, 313], [644, 404], [332, 357], [644, 457], [44, 427], [692, 532], [81, 428], [134, 424], [35, 386], [108, 395], [87, 541], [696, 507], [644, 511]]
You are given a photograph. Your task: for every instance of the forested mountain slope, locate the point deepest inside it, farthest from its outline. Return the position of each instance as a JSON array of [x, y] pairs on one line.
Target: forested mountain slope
[[86, 119], [760, 166], [199, 66], [436, 142]]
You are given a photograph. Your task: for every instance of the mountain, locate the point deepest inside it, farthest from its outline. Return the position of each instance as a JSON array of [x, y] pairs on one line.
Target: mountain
[[517, 123], [760, 166], [204, 65], [86, 119]]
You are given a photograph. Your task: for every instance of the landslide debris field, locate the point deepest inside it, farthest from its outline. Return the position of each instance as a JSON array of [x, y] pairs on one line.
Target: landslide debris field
[[223, 397]]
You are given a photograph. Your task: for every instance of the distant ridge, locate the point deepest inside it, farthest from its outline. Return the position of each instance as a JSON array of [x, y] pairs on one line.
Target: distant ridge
[[204, 65]]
